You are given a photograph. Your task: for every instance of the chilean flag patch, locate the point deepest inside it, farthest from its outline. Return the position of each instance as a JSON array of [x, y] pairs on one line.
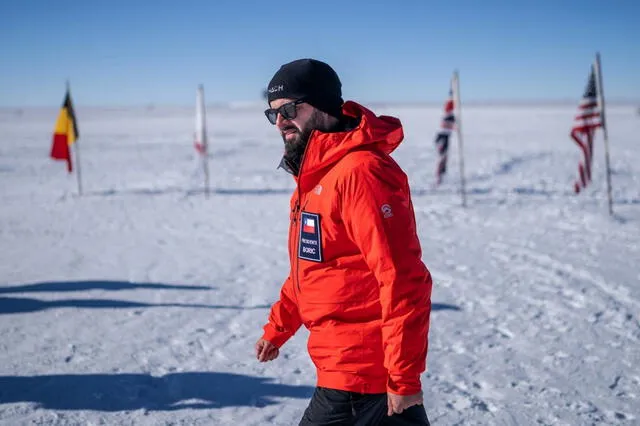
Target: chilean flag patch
[[309, 225], [310, 243]]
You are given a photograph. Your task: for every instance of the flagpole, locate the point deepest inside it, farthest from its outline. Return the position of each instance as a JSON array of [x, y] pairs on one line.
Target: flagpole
[[205, 158], [206, 175], [202, 129], [460, 142], [76, 150], [604, 129], [77, 153]]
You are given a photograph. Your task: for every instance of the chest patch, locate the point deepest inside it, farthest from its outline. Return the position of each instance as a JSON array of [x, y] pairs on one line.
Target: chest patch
[[310, 243]]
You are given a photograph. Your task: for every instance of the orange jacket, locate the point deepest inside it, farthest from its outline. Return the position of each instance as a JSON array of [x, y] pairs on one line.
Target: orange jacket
[[357, 281]]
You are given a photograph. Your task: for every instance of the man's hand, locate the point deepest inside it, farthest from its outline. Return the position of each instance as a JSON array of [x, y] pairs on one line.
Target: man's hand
[[266, 351], [398, 403]]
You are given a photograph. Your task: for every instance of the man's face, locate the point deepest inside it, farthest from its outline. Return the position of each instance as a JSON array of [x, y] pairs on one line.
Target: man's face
[[295, 132]]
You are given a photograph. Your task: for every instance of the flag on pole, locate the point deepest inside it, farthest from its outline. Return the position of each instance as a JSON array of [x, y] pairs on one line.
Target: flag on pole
[[201, 141], [200, 137], [65, 132], [442, 137], [587, 120]]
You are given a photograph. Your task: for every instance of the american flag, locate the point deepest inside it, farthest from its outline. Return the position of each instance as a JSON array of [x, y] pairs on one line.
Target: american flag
[[442, 137], [587, 120]]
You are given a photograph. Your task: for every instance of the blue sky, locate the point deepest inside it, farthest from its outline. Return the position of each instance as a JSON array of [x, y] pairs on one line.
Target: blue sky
[[156, 52]]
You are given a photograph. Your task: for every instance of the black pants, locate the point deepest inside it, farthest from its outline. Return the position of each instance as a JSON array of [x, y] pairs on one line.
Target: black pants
[[337, 407]]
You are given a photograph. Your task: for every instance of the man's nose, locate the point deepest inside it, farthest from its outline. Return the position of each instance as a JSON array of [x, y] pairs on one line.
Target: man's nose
[[281, 121]]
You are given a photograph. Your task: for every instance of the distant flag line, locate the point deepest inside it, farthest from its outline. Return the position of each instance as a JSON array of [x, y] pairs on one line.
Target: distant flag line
[[66, 135], [589, 117]]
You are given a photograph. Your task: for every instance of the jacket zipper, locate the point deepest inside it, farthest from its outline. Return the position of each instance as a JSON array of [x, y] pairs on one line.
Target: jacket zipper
[[298, 202], [293, 230]]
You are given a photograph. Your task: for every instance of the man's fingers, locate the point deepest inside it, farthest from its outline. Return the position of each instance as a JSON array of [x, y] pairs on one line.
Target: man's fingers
[[268, 354], [273, 354], [265, 351], [396, 404], [393, 407], [262, 351]]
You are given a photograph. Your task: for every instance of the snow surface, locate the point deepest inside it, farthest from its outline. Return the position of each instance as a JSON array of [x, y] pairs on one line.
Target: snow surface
[[140, 302]]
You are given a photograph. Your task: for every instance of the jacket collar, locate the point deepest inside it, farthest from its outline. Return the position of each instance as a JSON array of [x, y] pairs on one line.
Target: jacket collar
[[382, 133]]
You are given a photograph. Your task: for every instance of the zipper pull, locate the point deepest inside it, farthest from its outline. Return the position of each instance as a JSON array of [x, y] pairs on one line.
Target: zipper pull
[[295, 211]]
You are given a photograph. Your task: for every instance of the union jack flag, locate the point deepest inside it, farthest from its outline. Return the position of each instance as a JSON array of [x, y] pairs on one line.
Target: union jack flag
[[586, 121], [442, 137]]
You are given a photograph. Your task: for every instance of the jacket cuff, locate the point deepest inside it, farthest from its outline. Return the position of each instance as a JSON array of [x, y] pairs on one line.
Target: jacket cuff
[[273, 335], [408, 384]]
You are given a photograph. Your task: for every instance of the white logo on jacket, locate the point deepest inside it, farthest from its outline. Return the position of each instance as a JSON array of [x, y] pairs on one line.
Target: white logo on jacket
[[386, 211]]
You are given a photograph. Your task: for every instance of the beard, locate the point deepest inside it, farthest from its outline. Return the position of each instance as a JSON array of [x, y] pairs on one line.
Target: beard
[[295, 146]]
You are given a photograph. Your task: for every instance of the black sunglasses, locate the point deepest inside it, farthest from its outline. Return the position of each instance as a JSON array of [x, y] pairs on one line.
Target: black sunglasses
[[288, 111]]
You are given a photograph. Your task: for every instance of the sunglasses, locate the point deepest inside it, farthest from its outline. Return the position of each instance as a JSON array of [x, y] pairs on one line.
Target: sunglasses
[[289, 111]]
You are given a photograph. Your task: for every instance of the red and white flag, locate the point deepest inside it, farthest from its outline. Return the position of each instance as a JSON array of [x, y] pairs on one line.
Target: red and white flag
[[587, 120], [201, 141], [200, 135], [309, 225]]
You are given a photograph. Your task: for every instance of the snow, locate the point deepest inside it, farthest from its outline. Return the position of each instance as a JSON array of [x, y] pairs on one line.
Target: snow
[[140, 302]]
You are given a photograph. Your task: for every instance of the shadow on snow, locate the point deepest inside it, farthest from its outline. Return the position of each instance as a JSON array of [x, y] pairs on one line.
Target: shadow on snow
[[18, 305], [124, 392], [444, 307], [15, 305], [63, 286]]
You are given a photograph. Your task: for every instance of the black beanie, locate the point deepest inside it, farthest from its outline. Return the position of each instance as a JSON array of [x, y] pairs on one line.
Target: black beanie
[[310, 79]]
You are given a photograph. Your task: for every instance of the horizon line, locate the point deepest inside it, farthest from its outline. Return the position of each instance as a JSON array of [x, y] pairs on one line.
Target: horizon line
[[397, 103]]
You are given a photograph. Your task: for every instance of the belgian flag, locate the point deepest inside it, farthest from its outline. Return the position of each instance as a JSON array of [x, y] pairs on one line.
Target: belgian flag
[[65, 132]]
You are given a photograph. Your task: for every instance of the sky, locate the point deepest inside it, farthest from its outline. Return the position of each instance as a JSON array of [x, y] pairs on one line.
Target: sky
[[140, 53]]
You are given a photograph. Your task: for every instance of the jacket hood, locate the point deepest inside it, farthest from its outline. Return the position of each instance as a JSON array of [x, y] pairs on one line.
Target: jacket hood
[[383, 133]]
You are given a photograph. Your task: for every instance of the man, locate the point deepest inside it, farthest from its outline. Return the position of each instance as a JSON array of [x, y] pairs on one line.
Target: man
[[357, 281]]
